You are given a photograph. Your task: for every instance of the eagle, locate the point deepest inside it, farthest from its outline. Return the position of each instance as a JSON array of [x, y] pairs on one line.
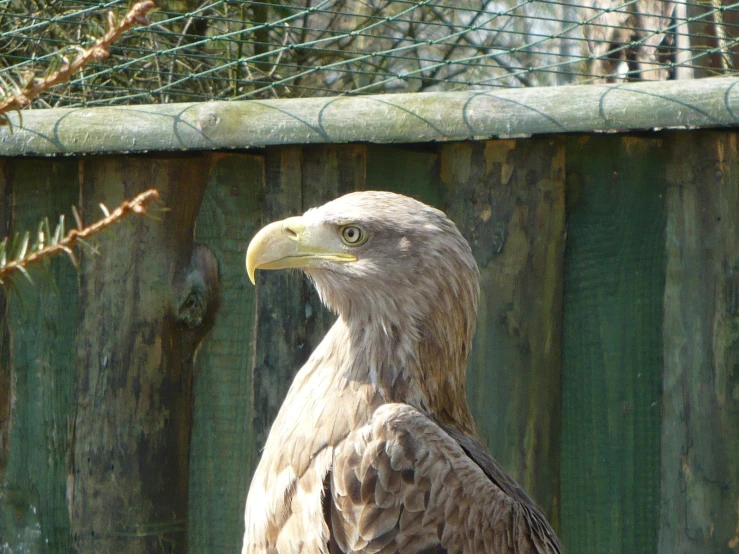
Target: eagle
[[374, 449]]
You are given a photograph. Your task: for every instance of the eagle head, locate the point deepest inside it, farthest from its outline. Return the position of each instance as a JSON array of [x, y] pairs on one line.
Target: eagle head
[[375, 255]]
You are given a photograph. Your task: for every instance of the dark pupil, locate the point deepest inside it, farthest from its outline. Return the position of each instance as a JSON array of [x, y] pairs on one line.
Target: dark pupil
[[350, 233]]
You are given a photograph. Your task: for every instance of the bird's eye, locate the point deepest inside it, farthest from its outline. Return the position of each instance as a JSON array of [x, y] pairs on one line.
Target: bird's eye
[[353, 235]]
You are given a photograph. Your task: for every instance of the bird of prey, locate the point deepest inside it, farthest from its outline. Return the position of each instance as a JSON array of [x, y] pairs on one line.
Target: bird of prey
[[374, 449]]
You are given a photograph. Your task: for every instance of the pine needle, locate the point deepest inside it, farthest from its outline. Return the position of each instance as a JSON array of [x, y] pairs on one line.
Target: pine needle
[[77, 218], [49, 244]]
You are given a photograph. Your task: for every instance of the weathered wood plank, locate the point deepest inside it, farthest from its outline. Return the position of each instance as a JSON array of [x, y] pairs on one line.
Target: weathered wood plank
[[329, 171], [405, 118], [223, 451], [412, 170], [613, 342], [134, 359], [612, 345], [507, 198], [34, 511], [5, 368], [280, 348], [700, 417]]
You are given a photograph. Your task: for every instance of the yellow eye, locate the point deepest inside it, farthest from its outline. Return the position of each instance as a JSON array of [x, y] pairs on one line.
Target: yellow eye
[[353, 235]]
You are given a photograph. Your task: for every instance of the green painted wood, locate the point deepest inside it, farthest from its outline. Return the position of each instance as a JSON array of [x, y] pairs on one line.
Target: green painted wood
[[700, 418], [612, 345], [134, 360], [223, 452], [507, 198], [412, 170], [280, 348], [329, 171], [387, 118], [34, 510]]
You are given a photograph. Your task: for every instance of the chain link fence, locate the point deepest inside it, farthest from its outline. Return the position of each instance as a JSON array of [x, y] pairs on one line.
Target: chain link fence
[[197, 50]]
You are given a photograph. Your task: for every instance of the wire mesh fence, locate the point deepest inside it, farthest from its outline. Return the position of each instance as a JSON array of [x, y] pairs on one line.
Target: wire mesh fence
[[238, 49]]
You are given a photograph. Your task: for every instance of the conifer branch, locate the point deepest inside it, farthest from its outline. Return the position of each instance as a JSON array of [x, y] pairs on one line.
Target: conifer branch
[[22, 95], [48, 244]]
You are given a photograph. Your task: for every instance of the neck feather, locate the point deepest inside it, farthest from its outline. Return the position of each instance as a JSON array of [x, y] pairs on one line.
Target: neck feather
[[417, 361]]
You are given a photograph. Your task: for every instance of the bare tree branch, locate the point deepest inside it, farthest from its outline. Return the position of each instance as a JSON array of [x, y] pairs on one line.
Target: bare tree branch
[[98, 51]]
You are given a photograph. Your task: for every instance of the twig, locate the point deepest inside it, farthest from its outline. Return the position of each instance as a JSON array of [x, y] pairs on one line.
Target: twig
[[137, 205], [98, 51]]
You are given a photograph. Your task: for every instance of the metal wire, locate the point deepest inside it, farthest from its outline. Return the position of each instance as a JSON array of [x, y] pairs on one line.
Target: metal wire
[[236, 49]]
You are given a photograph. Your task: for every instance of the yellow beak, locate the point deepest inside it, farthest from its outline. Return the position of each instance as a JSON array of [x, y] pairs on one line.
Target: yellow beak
[[293, 242]]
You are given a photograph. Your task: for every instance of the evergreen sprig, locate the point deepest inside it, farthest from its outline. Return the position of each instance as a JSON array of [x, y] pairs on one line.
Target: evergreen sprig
[[15, 96], [25, 249]]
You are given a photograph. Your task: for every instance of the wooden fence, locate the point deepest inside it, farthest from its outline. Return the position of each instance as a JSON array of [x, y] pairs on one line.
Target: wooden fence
[[605, 371]]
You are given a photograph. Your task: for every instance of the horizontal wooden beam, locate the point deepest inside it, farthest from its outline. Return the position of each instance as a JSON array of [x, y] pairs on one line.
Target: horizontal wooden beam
[[420, 117]]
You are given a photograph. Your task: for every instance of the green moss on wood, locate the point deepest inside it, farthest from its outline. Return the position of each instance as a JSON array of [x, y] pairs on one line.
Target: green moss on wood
[[391, 118]]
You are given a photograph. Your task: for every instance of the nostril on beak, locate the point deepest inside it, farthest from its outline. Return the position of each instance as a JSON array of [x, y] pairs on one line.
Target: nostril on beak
[[289, 232]]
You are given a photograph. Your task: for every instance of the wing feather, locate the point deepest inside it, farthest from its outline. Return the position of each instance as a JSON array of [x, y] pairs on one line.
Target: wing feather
[[403, 484]]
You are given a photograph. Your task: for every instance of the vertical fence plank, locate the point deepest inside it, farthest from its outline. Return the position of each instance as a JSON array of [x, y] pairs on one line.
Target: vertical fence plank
[[223, 449], [700, 427], [34, 512], [329, 171], [612, 349], [507, 197], [280, 347], [134, 395], [6, 377], [404, 169]]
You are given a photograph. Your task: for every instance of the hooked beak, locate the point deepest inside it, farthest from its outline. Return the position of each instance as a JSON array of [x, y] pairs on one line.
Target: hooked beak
[[293, 242]]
